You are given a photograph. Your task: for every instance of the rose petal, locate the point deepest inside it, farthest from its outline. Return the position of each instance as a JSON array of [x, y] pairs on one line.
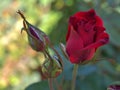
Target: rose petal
[[99, 21], [73, 21], [87, 33], [74, 39], [32, 31], [82, 55], [74, 43], [89, 14], [91, 54], [103, 39], [90, 25], [99, 29], [68, 32]]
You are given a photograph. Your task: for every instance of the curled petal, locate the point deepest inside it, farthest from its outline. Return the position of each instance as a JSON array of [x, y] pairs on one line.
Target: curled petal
[[103, 39]]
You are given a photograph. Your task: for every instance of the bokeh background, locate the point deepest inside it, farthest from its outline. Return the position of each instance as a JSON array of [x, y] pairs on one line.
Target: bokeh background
[[19, 63]]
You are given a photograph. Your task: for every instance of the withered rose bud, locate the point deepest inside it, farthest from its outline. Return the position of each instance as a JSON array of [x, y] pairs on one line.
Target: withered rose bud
[[38, 40], [52, 68]]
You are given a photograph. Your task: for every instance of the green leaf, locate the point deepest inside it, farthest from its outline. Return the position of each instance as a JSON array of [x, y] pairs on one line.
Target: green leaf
[[43, 85]]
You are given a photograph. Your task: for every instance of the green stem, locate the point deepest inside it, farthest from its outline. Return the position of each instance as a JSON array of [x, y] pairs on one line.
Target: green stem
[[58, 86], [74, 76], [50, 81]]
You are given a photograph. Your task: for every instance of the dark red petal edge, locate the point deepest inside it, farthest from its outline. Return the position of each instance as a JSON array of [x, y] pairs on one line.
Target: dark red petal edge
[[102, 41]]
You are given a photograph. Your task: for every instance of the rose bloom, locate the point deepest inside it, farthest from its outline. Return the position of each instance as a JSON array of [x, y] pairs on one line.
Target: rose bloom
[[86, 33], [114, 87]]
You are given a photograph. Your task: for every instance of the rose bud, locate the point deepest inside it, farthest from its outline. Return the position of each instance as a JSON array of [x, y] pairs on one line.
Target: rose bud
[[38, 40], [86, 33], [51, 68]]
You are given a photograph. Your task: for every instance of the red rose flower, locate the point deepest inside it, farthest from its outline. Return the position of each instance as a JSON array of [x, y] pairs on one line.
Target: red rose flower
[[85, 34], [114, 87]]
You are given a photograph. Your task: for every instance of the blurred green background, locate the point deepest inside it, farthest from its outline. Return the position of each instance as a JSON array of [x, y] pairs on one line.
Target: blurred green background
[[19, 63]]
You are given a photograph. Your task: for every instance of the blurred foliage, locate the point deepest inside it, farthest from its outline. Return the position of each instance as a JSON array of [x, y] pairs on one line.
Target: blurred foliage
[[19, 63]]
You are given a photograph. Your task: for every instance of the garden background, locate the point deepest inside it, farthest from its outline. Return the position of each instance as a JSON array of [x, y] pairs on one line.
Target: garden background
[[19, 64]]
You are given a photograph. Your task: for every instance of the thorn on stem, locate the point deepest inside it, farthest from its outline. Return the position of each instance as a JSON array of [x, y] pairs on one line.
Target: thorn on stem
[[22, 29]]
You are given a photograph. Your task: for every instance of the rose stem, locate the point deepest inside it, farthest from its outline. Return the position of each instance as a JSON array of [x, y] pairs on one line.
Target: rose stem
[[50, 81], [57, 85], [74, 76]]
